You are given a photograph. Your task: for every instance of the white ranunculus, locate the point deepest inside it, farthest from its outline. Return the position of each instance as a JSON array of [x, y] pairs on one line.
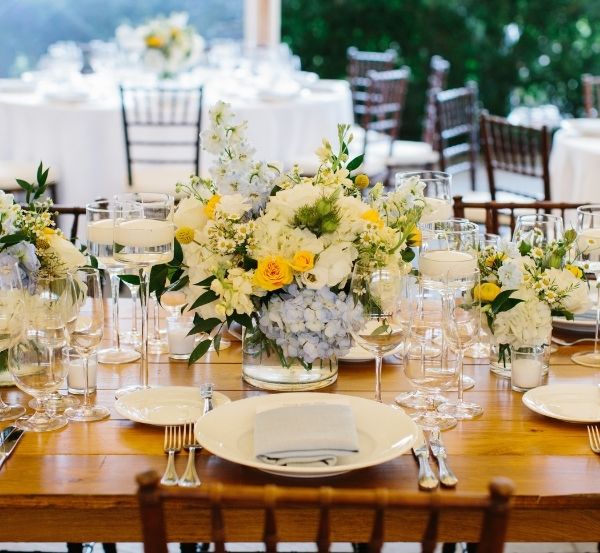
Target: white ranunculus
[[190, 213], [71, 257], [528, 323], [337, 261], [232, 206], [315, 278]]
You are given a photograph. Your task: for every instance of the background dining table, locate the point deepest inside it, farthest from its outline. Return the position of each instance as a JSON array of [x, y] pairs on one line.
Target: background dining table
[[78, 484]]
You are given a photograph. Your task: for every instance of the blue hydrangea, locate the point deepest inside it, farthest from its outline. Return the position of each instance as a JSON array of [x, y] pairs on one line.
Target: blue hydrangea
[[311, 324]]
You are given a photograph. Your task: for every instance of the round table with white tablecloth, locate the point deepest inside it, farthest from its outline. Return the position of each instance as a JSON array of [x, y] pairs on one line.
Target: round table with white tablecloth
[[575, 167], [81, 135]]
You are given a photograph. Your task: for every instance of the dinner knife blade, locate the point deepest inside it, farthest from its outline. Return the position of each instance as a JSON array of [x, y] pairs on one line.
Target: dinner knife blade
[[9, 443], [427, 479]]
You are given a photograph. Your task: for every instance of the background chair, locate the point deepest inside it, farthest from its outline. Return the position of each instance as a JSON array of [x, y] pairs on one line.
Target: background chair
[[162, 135], [279, 504], [64, 213], [457, 130], [439, 68], [10, 171], [591, 95], [515, 149]]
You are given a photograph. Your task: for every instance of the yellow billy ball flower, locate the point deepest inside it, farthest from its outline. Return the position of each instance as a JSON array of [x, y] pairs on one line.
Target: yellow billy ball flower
[[184, 235], [303, 261], [486, 292], [154, 41], [361, 181], [373, 217], [575, 270], [273, 272], [211, 206]]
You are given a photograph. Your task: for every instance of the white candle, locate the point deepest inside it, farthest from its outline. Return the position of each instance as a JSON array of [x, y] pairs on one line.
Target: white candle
[[436, 209], [526, 373], [76, 376], [101, 232], [440, 264], [179, 341], [142, 233]]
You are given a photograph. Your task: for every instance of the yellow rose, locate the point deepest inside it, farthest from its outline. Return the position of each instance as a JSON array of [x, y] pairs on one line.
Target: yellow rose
[[153, 41], [415, 238], [185, 235], [303, 261], [361, 181], [486, 292], [574, 270], [373, 217], [273, 272], [211, 206]]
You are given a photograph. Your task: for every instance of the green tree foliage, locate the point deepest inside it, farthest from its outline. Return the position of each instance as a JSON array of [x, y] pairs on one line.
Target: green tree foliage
[[521, 52]]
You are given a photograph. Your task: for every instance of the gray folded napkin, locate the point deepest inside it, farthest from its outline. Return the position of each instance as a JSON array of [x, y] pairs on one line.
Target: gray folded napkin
[[310, 434]]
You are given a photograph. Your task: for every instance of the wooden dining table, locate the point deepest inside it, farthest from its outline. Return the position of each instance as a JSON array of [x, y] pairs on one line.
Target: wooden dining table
[[78, 484]]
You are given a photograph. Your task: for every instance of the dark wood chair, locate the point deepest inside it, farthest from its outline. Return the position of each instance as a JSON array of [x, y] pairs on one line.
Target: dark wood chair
[[278, 507], [359, 63], [591, 95], [64, 213], [515, 149], [436, 82], [457, 130], [162, 135], [500, 215]]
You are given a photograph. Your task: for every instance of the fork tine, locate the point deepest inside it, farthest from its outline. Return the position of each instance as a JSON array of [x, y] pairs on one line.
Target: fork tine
[[596, 434]]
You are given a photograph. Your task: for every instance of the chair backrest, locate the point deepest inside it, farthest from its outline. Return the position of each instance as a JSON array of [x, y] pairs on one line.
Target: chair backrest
[[591, 95], [273, 503], [516, 149], [74, 212], [359, 63], [162, 126], [499, 214], [457, 130], [436, 82]]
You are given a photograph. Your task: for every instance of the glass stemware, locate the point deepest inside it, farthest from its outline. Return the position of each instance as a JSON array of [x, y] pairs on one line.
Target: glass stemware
[[157, 343], [588, 243], [538, 229], [100, 230], [386, 317], [85, 332], [460, 323], [437, 192], [143, 241], [11, 313], [133, 336]]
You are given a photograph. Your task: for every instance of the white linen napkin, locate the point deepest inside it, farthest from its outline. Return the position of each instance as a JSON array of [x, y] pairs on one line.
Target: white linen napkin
[[309, 434]]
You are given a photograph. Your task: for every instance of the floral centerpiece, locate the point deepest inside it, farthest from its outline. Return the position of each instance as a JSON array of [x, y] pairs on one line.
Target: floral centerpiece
[[167, 45], [523, 286], [275, 251], [29, 238]]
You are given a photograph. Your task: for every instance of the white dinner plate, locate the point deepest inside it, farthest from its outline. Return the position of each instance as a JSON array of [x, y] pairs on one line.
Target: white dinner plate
[[585, 322], [383, 433], [566, 402], [357, 354], [583, 126], [165, 405]]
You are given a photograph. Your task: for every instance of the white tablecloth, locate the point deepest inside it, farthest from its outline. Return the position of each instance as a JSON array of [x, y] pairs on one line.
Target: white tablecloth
[[84, 140], [575, 168]]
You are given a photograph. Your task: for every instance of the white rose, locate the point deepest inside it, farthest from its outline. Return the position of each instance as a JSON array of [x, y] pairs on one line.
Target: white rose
[[233, 206], [190, 213], [67, 252], [577, 299], [336, 260]]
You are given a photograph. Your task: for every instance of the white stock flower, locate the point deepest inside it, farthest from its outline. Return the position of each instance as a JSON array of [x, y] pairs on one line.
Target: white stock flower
[[512, 272]]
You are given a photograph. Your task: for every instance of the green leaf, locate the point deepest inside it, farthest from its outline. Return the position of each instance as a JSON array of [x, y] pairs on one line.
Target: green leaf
[[242, 319], [355, 163], [134, 280], [199, 351], [205, 325], [177, 254], [11, 239], [25, 185], [380, 330], [179, 284], [158, 278], [204, 298], [217, 342], [206, 281], [524, 248], [503, 302], [408, 255]]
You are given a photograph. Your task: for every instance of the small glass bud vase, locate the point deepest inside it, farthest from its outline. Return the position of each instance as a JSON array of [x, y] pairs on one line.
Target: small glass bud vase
[[527, 367]]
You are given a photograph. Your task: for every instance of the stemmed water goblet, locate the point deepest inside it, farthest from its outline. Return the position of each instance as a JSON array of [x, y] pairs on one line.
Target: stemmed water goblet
[[11, 321], [378, 290], [132, 336], [588, 244], [100, 239], [143, 241], [460, 322], [437, 193], [538, 229], [85, 331]]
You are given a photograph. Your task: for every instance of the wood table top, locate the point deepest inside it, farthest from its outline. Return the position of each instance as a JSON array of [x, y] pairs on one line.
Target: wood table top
[[80, 479]]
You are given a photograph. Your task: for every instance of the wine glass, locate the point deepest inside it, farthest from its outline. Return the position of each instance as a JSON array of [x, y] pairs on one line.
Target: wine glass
[[11, 322], [588, 244], [437, 193], [157, 343], [85, 332], [538, 229], [133, 336], [142, 241], [37, 360], [427, 359], [386, 318], [100, 230], [460, 323]]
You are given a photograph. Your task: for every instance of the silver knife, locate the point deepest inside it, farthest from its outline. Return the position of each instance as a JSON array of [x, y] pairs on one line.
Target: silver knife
[[8, 441], [427, 479], [206, 392], [447, 477]]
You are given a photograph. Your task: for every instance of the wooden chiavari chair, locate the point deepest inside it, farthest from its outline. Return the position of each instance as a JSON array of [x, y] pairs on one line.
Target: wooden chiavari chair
[[69, 211], [515, 149], [591, 95], [228, 507], [436, 82]]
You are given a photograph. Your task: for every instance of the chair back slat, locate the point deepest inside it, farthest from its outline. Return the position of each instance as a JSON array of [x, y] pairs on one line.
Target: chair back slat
[[516, 149], [591, 95], [436, 82], [271, 500], [75, 212], [456, 123]]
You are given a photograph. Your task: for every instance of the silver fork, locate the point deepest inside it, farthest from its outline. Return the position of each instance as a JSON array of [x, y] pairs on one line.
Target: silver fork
[[172, 445], [190, 477], [594, 436]]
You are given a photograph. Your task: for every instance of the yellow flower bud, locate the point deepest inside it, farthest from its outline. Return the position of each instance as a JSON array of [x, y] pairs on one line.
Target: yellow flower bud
[[273, 272], [211, 206], [185, 235], [303, 261], [486, 292], [361, 181]]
